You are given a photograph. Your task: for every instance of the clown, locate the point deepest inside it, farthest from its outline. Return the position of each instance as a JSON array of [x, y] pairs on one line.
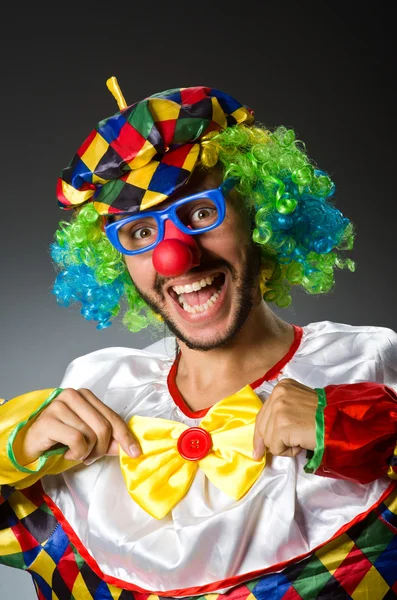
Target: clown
[[258, 460]]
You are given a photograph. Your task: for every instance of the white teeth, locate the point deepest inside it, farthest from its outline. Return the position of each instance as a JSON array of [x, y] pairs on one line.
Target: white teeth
[[200, 307], [195, 286]]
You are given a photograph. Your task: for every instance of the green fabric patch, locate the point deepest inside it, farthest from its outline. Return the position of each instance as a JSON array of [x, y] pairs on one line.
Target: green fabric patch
[[315, 461], [141, 119], [312, 579], [80, 562], [374, 538], [16, 560], [188, 130]]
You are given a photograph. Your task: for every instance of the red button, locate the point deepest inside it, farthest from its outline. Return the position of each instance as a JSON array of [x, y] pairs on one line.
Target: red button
[[194, 443]]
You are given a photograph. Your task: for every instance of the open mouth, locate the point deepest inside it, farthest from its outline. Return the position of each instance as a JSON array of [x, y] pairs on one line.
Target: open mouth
[[200, 295]]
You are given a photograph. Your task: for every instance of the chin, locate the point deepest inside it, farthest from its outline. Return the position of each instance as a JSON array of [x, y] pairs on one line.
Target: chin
[[204, 336]]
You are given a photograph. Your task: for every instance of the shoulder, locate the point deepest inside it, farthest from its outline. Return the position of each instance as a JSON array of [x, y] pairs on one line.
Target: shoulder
[[371, 335], [117, 365], [341, 341], [333, 353]]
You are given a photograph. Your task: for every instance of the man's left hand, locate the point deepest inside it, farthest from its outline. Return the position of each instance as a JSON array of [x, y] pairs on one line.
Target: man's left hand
[[286, 423]]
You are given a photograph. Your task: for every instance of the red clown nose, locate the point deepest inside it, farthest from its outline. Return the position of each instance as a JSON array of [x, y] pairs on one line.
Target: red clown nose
[[176, 253]]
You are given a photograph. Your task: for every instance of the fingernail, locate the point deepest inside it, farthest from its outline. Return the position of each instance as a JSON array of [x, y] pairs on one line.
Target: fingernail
[[134, 451], [255, 455], [89, 462]]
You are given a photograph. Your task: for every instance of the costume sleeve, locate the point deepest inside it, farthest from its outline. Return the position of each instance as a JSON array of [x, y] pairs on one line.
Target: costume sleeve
[[16, 415], [356, 423]]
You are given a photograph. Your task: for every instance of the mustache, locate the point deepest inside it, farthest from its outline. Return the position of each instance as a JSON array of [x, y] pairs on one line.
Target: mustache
[[220, 264]]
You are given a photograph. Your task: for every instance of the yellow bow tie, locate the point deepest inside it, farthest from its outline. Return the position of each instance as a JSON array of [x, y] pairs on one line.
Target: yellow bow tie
[[172, 452]]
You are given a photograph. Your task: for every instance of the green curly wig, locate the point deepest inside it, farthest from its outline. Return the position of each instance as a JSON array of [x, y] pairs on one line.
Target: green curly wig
[[300, 232]]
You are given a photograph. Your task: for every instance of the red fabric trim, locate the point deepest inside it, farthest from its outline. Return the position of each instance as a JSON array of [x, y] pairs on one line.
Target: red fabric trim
[[268, 376], [177, 396], [360, 422], [203, 589]]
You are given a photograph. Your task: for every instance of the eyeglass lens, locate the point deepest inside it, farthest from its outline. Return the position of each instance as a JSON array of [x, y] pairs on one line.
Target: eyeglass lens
[[141, 232]]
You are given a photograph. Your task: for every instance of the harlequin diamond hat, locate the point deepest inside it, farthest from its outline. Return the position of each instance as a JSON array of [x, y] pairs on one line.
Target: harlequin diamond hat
[[147, 151]]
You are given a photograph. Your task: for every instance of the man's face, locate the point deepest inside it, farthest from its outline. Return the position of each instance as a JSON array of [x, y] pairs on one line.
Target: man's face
[[206, 306]]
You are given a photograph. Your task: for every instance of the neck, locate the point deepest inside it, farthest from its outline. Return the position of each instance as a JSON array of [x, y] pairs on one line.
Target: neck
[[205, 377]]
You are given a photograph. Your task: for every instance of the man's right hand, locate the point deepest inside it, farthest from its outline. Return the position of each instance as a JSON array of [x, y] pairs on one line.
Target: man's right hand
[[79, 420]]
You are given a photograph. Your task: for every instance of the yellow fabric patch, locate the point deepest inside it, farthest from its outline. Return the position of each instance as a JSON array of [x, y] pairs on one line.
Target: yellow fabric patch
[[334, 553], [80, 589], [9, 543], [75, 196], [391, 502], [241, 116], [21, 506], [152, 199], [371, 586], [144, 155], [191, 158], [164, 110], [95, 151], [116, 592], [44, 566], [217, 113], [142, 177], [101, 207]]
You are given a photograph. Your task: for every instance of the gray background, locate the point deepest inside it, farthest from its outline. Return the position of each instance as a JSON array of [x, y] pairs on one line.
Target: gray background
[[326, 72]]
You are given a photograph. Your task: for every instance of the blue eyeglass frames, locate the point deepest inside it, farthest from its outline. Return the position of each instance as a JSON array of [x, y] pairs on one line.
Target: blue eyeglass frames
[[142, 231]]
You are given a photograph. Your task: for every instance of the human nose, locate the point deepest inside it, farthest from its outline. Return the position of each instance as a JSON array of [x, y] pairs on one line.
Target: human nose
[[177, 253]]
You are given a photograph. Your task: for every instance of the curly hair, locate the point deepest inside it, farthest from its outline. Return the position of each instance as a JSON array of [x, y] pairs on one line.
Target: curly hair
[[300, 232]]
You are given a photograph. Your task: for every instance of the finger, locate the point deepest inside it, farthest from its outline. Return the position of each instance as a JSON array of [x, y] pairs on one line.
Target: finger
[[100, 418], [277, 446], [81, 414], [78, 447], [61, 412], [294, 451], [120, 432], [274, 432]]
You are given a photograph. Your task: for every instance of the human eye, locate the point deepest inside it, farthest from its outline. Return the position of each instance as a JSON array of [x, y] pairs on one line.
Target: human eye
[[142, 233], [203, 215], [138, 234]]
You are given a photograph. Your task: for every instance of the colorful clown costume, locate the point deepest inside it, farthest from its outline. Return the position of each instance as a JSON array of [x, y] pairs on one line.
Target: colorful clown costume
[[318, 526]]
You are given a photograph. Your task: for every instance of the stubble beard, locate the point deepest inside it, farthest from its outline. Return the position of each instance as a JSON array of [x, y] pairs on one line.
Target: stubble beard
[[245, 286]]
